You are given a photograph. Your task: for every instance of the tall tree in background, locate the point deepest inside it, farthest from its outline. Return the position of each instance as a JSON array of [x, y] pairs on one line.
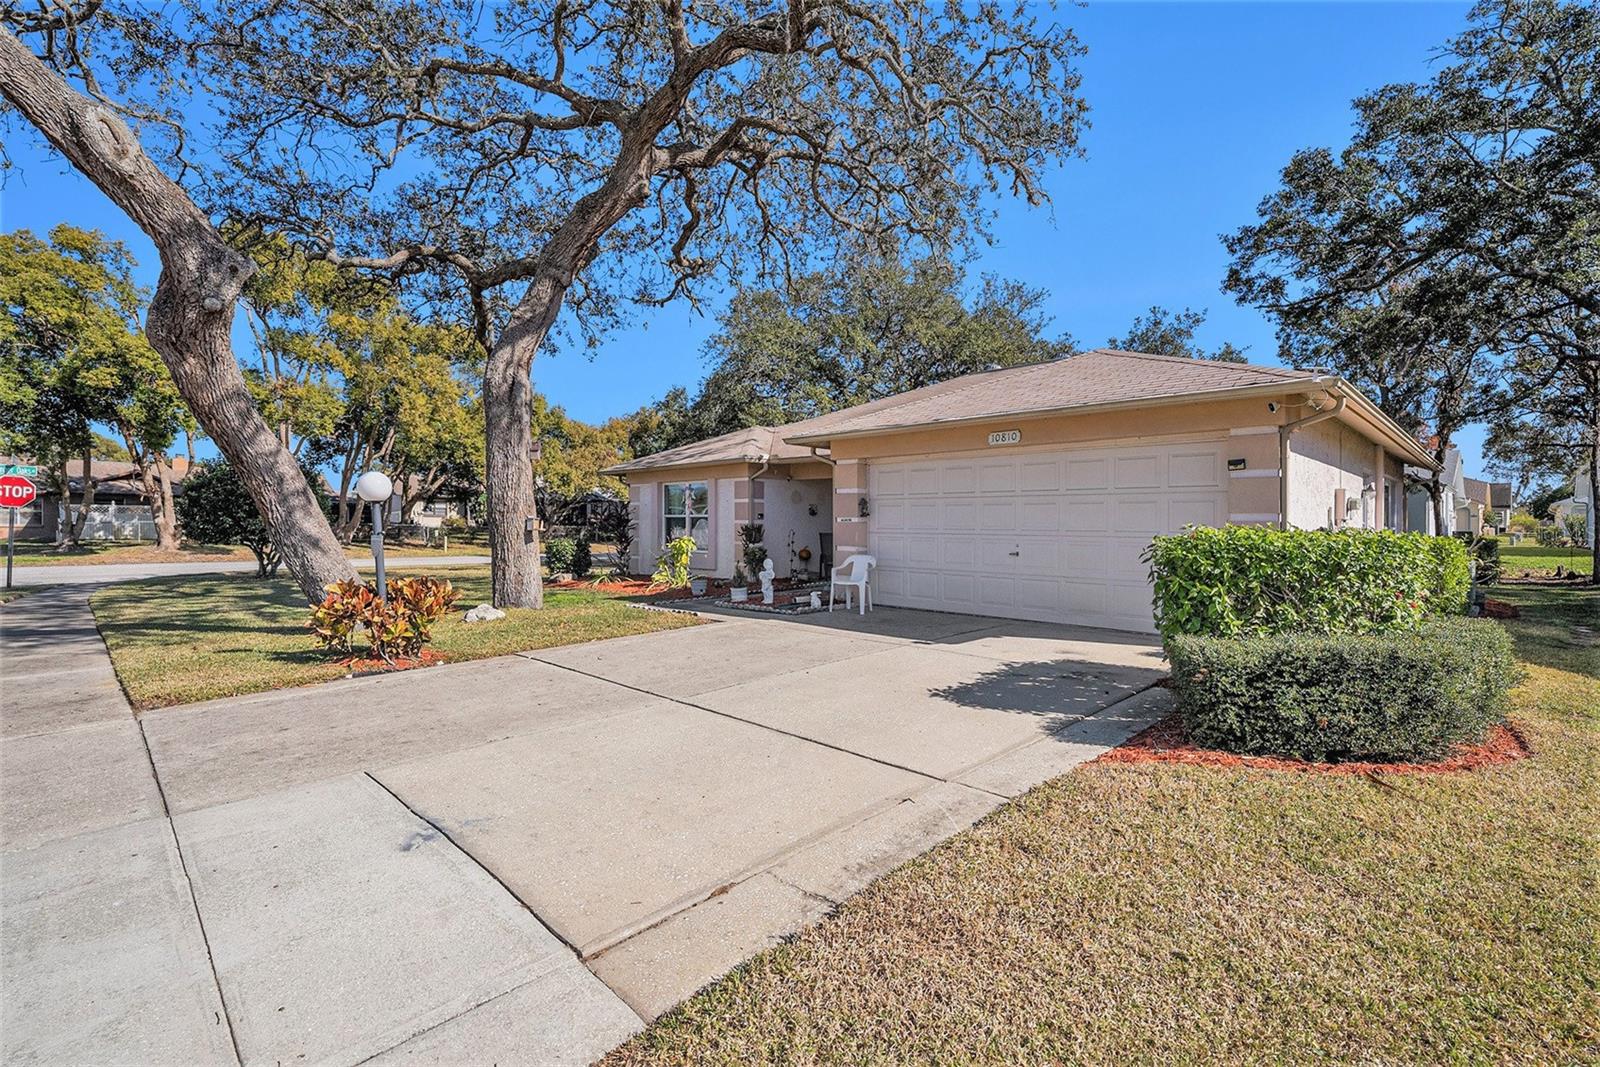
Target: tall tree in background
[[190, 319], [1464, 211], [1166, 333], [535, 157], [870, 327], [1549, 419], [71, 356]]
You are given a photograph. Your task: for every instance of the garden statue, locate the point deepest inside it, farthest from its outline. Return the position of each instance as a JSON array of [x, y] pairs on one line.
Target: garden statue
[[766, 576]]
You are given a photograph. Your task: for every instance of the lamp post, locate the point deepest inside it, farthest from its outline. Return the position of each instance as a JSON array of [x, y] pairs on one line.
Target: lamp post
[[375, 488]]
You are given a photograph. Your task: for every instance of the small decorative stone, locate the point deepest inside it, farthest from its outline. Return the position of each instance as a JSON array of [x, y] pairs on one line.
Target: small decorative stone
[[483, 613]]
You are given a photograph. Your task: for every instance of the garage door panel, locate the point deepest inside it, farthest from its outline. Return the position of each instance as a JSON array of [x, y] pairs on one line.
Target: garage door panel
[[960, 552], [922, 480], [1050, 536], [961, 514], [960, 478], [1088, 473], [1040, 516], [997, 594], [923, 514], [997, 515], [960, 589], [1039, 475], [1084, 598], [995, 554], [1143, 516], [1084, 557], [1194, 469], [997, 476], [889, 550], [922, 549], [1137, 471], [1086, 514], [1181, 513]]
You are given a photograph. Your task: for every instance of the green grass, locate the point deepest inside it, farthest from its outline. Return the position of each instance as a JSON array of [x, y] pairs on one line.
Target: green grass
[[1159, 913], [1539, 558], [109, 552], [179, 640], [18, 591]]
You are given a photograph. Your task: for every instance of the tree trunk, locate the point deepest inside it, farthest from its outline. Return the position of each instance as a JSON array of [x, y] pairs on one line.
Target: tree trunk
[[191, 317], [157, 489], [167, 515], [508, 456], [1594, 503], [75, 524]]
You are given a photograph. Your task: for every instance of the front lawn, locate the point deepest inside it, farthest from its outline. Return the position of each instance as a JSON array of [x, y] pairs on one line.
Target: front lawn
[[1168, 913], [1541, 558], [108, 552], [179, 640]]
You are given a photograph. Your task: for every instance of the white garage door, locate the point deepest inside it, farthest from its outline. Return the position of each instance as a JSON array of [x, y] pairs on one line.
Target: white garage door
[[1054, 536]]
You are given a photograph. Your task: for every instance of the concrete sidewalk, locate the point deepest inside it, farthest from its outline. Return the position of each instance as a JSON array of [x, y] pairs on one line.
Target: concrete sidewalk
[[324, 924], [96, 573], [513, 860]]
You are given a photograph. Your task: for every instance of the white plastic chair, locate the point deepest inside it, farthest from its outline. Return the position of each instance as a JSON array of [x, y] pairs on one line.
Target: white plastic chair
[[853, 574]]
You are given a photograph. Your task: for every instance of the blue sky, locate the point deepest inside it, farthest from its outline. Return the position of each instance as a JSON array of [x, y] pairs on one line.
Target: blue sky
[[1195, 109]]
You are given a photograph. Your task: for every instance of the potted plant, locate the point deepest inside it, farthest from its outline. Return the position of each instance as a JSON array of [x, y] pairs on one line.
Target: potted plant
[[804, 556], [739, 592]]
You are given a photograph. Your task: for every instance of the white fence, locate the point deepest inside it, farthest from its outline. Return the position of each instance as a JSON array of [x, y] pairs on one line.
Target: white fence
[[119, 522]]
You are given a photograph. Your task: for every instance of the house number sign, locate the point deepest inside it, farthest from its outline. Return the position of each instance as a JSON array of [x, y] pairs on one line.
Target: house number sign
[[1005, 437]]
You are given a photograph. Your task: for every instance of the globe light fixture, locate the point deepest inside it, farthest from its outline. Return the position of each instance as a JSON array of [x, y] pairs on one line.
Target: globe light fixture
[[375, 488]]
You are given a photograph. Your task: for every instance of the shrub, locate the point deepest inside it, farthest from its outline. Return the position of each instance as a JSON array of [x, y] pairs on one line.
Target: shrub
[[582, 561], [672, 566], [1486, 550], [559, 553], [216, 509], [397, 628], [1246, 580], [1396, 696]]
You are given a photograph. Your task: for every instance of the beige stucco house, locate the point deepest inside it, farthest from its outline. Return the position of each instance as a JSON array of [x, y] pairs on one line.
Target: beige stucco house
[[1031, 492]]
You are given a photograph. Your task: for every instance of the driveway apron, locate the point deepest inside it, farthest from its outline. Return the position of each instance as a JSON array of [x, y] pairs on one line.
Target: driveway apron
[[518, 859]]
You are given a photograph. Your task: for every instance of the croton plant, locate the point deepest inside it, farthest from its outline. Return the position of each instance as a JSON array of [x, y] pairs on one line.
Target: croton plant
[[398, 628]]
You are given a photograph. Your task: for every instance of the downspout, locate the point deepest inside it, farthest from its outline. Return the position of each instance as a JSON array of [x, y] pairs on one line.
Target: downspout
[[818, 455], [766, 461], [1285, 432]]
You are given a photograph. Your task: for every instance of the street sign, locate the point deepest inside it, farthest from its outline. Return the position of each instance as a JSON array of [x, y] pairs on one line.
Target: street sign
[[16, 491], [27, 470]]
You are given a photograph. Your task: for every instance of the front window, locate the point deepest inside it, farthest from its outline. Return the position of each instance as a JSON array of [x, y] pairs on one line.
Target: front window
[[686, 507]]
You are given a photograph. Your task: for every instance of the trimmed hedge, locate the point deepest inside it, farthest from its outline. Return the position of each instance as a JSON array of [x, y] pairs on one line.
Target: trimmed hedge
[[1397, 696], [1241, 581]]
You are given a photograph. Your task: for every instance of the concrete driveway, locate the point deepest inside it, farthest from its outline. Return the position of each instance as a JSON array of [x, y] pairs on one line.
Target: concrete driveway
[[517, 860]]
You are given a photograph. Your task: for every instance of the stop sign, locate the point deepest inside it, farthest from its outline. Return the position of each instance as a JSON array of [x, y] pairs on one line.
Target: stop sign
[[16, 491]]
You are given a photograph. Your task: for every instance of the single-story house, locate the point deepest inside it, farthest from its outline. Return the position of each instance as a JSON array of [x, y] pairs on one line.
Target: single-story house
[[1032, 492], [120, 510], [1472, 511], [1499, 515]]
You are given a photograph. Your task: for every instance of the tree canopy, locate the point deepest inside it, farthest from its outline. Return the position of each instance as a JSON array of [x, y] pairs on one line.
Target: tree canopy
[[1166, 333], [868, 328], [522, 159], [1455, 234]]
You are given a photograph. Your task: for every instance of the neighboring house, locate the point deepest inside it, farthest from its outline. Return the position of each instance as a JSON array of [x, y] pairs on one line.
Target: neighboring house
[[1472, 511], [1032, 492], [1453, 491], [1500, 506], [1580, 503], [120, 511]]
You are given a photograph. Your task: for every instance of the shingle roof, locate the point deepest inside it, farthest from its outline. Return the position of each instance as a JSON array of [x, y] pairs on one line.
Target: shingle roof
[[1499, 494], [1088, 379], [1477, 489], [750, 445]]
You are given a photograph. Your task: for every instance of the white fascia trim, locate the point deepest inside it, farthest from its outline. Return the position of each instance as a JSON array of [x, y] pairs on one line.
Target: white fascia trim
[[1252, 431], [1258, 473]]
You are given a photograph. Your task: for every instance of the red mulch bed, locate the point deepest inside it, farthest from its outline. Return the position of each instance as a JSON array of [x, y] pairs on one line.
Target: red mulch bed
[[1168, 742], [375, 665], [1499, 609]]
